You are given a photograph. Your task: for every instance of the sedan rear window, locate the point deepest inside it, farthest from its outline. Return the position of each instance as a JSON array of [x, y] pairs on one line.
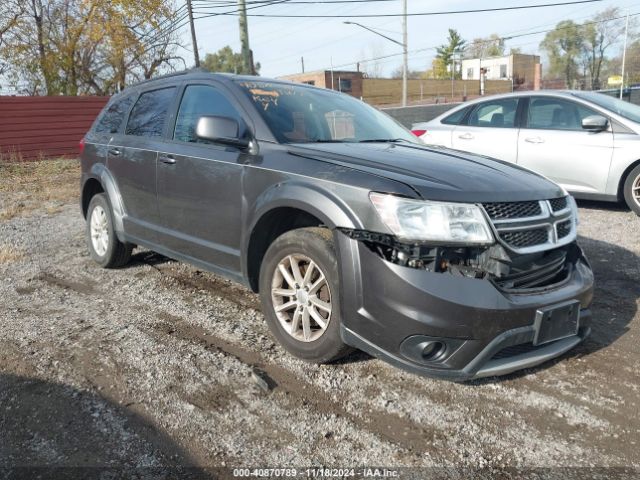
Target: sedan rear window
[[456, 117], [495, 114]]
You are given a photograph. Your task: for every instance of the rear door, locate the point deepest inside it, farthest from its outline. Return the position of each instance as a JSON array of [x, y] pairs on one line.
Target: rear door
[[132, 161], [490, 129], [552, 142], [200, 182]]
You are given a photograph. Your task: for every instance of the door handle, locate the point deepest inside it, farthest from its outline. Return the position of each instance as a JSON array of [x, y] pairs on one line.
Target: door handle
[[115, 152], [466, 136], [168, 159], [534, 140]]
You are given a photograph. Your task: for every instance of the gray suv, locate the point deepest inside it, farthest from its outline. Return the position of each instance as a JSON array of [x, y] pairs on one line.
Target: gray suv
[[440, 262]]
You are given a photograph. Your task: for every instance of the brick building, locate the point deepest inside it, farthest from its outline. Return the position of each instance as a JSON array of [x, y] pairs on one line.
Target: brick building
[[344, 81]]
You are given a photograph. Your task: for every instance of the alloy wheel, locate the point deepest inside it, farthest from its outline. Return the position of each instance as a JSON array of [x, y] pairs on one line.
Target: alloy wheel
[[635, 190], [99, 230], [301, 297]]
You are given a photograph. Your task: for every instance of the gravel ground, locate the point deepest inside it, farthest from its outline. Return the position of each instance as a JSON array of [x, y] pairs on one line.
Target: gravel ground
[[151, 366]]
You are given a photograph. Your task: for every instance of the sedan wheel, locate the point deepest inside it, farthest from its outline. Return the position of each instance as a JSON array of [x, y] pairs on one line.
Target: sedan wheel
[[631, 190], [635, 190]]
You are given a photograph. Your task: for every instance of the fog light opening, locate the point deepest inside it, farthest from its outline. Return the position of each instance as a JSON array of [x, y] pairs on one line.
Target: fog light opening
[[432, 350]]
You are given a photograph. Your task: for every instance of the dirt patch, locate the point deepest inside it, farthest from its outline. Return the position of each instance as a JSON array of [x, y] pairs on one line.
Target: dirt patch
[[44, 186], [10, 254], [297, 392], [86, 286]]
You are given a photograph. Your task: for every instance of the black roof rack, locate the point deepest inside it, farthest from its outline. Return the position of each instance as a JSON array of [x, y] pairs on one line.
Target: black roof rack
[[171, 75]]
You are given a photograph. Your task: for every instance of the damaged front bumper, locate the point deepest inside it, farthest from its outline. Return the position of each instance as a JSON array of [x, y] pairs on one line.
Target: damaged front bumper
[[449, 317]]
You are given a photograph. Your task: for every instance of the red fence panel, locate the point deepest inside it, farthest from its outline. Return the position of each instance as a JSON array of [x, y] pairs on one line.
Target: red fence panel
[[34, 127]]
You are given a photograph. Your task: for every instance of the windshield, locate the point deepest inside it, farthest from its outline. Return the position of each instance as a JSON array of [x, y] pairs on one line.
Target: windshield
[[300, 114], [624, 109]]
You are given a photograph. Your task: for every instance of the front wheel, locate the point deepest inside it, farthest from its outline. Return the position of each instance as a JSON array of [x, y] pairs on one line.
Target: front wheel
[[632, 190], [104, 246], [300, 294]]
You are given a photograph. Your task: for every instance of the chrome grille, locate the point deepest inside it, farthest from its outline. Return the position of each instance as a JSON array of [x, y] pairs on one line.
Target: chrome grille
[[558, 204], [532, 226], [526, 238], [564, 228], [498, 211]]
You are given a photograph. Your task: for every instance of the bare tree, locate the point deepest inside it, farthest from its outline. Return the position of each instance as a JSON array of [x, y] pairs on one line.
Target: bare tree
[[599, 35]]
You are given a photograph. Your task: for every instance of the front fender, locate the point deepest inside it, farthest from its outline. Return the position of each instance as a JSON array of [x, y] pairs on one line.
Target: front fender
[[324, 204]]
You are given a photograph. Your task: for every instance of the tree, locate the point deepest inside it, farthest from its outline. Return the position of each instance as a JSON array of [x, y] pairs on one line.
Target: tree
[[438, 69], [10, 13], [599, 34], [76, 47], [226, 60], [492, 46], [411, 74], [446, 53], [563, 46]]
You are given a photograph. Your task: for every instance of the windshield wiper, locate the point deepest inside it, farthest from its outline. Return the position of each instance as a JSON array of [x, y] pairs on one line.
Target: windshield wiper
[[384, 140]]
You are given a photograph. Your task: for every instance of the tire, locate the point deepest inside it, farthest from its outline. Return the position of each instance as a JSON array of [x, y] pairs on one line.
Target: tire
[[104, 247], [301, 247], [631, 183]]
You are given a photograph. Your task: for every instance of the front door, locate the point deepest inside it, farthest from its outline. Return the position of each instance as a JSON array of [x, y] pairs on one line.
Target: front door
[[200, 184], [490, 130], [553, 143]]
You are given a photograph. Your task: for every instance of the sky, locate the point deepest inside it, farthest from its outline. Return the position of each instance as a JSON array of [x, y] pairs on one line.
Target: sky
[[279, 43]]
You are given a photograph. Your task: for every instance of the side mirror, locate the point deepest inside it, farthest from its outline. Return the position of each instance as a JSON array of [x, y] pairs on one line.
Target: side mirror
[[221, 130], [595, 123]]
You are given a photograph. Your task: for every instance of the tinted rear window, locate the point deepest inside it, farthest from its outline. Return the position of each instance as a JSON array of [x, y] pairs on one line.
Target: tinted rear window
[[149, 113], [456, 117], [113, 116]]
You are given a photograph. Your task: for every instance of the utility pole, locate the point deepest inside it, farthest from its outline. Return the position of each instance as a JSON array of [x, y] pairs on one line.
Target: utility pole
[[405, 53], [403, 44], [302, 62], [244, 38], [624, 54], [194, 41]]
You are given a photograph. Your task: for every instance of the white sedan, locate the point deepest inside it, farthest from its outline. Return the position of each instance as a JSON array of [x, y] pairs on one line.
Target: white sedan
[[587, 142]]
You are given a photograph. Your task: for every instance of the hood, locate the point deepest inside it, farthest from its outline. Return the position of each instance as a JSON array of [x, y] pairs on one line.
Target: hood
[[437, 173]]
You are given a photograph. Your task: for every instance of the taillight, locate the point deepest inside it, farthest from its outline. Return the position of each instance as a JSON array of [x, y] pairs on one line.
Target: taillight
[[418, 133], [81, 146]]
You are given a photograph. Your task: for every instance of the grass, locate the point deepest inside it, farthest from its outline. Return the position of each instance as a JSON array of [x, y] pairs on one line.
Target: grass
[[43, 185], [10, 254]]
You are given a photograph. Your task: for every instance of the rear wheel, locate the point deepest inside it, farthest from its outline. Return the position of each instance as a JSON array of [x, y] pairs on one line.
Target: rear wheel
[[299, 290], [104, 246], [632, 190]]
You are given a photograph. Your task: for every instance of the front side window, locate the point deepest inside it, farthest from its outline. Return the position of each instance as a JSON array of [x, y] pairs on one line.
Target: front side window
[[556, 114], [297, 113], [197, 101], [495, 114], [112, 118], [149, 113]]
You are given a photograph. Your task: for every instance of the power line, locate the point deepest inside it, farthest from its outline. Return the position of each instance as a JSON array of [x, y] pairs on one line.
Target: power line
[[424, 49], [420, 14]]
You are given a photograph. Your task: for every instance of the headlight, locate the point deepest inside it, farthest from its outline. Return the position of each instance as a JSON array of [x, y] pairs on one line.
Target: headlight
[[432, 221]]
